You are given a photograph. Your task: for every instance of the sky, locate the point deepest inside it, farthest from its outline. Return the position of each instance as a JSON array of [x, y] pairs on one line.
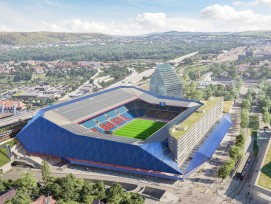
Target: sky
[[134, 17]]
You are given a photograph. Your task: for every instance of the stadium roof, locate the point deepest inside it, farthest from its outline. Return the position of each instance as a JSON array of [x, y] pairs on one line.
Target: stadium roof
[[67, 114], [194, 118], [92, 104]]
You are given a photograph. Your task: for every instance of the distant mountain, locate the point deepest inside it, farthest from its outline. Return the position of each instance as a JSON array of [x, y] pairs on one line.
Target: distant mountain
[[33, 38], [266, 34]]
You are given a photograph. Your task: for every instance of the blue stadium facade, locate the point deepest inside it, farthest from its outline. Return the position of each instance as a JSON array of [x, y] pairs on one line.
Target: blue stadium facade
[[60, 131]]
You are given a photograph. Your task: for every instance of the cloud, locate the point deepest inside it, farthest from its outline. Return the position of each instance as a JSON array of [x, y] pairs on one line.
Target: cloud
[[141, 24], [229, 19], [213, 18], [4, 28], [263, 2], [253, 3]]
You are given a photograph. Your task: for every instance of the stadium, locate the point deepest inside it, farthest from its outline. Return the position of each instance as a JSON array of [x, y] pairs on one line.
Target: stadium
[[127, 129]]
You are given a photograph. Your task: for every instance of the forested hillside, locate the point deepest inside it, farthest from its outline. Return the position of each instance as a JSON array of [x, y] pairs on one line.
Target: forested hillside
[[33, 38]]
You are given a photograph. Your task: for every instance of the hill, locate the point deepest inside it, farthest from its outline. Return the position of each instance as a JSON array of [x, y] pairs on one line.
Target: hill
[[33, 38]]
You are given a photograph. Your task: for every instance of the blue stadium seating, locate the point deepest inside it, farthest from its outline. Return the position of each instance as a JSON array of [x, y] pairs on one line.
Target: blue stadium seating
[[101, 118], [111, 114], [89, 124], [122, 109], [128, 115]]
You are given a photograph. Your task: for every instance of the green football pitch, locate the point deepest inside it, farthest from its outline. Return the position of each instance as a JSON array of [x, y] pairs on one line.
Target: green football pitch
[[139, 129]]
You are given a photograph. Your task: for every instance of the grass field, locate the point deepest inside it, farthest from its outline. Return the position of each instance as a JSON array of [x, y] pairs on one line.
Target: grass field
[[139, 129], [3, 152], [265, 175], [38, 76]]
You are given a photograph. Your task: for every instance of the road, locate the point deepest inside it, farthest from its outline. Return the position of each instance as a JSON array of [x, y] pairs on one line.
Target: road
[[180, 59]]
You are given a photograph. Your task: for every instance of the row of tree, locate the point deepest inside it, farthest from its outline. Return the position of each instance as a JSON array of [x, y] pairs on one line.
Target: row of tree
[[264, 99], [236, 153], [66, 190], [245, 109], [192, 91]]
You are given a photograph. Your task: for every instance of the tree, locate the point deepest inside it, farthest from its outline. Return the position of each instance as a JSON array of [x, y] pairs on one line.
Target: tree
[[20, 198], [266, 116], [70, 187], [236, 153], [116, 199], [99, 190], [27, 183], [246, 104], [86, 193], [88, 199], [188, 61], [244, 118], [226, 169], [240, 140], [61, 201], [115, 189], [45, 171]]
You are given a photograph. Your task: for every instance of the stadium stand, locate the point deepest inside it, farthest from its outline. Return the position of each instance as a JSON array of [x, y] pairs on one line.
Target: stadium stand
[[119, 116], [112, 114], [89, 124], [118, 121], [104, 127]]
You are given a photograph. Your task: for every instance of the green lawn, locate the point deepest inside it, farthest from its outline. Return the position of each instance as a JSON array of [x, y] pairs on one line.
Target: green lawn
[[139, 129], [5, 78], [3, 152], [38, 76], [265, 175]]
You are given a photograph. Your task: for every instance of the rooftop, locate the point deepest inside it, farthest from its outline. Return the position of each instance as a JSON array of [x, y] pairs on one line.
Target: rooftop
[[188, 123], [93, 104]]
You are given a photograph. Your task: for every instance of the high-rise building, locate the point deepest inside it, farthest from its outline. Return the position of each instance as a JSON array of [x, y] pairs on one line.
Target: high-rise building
[[165, 82]]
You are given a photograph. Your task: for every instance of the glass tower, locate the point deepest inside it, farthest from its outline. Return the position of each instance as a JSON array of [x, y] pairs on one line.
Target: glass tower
[[164, 81]]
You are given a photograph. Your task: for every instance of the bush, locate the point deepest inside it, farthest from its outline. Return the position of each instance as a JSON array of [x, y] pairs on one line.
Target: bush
[[226, 169], [240, 141], [236, 153]]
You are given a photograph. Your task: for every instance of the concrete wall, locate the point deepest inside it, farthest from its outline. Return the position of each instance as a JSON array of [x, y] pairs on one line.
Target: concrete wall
[[6, 167]]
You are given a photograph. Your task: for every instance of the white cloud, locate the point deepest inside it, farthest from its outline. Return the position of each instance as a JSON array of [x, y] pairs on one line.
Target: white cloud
[[4, 28], [263, 2], [213, 18], [253, 3], [143, 23], [229, 19]]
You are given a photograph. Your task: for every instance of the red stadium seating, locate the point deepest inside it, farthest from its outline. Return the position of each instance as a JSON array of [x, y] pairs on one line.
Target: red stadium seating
[[103, 126], [95, 130], [110, 125], [117, 120], [125, 117]]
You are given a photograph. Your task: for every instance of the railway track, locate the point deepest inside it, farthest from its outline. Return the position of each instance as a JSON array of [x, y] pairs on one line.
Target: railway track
[[237, 190]]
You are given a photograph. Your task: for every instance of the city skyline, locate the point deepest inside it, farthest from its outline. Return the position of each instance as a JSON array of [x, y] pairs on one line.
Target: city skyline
[[134, 17]]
